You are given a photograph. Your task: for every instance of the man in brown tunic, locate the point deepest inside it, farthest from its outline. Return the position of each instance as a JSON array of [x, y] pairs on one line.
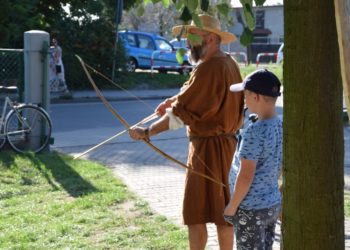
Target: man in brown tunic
[[212, 115]]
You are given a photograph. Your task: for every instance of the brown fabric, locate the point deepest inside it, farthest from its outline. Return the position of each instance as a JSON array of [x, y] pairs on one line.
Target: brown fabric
[[209, 110]]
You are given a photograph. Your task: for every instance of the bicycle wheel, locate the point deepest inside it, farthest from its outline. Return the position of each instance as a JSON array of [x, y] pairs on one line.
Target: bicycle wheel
[[28, 128]]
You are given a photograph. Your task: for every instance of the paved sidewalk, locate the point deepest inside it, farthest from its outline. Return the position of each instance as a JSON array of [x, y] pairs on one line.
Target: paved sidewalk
[[155, 179]]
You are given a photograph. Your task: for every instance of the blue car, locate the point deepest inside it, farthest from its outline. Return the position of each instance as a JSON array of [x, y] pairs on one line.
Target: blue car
[[140, 48]]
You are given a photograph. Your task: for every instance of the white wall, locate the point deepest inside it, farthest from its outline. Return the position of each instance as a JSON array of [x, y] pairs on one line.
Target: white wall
[[274, 20]]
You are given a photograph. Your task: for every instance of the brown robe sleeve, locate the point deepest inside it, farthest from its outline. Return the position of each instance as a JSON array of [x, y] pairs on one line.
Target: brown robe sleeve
[[207, 106]]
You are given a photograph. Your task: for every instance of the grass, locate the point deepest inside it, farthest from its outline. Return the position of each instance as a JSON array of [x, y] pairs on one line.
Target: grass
[[145, 80], [50, 201], [347, 204]]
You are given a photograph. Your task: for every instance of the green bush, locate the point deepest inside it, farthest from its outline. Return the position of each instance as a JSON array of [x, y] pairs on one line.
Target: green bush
[[101, 61]]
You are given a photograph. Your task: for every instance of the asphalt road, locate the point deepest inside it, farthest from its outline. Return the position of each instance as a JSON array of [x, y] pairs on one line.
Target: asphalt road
[[85, 124]]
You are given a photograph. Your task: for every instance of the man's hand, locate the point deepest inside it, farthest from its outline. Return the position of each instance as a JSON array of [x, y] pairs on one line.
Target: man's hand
[[139, 133], [160, 110]]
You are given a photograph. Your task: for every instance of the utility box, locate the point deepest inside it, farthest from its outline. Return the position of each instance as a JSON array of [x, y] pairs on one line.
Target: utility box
[[36, 63]]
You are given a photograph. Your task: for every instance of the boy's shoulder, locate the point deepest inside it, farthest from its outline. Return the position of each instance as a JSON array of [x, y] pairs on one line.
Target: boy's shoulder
[[265, 126]]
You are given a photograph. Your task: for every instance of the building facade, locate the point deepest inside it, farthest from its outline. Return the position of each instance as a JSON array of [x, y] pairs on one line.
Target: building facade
[[268, 33]]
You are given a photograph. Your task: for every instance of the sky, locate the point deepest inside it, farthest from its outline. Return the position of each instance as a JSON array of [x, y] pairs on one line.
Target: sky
[[236, 3]]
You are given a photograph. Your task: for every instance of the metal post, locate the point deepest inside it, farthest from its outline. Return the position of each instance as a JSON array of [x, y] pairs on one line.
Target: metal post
[[118, 17], [35, 72], [34, 67], [45, 99]]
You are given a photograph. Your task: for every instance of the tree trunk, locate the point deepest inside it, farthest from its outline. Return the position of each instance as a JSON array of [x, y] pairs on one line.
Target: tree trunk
[[342, 15], [313, 206]]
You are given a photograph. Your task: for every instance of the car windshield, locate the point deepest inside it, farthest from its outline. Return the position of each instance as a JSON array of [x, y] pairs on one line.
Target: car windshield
[[163, 45]]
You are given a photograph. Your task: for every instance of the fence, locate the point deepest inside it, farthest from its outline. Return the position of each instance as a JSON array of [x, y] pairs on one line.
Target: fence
[[264, 54], [240, 55], [12, 70], [165, 67]]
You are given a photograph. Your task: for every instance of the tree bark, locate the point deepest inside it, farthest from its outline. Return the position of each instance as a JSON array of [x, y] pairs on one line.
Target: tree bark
[[342, 16], [313, 206]]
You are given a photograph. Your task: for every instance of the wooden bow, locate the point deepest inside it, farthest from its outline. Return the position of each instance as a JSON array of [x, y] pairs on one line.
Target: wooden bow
[[127, 126]]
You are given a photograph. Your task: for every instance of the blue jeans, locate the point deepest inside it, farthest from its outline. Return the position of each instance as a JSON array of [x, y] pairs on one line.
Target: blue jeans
[[255, 229]]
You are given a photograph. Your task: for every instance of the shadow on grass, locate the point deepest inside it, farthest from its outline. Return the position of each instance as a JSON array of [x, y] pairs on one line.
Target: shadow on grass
[[56, 171]]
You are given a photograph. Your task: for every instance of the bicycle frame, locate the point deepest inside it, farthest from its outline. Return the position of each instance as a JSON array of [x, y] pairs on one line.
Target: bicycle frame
[[4, 115]]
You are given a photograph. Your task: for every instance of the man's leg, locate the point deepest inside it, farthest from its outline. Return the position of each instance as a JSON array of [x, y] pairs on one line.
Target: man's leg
[[225, 237], [197, 235]]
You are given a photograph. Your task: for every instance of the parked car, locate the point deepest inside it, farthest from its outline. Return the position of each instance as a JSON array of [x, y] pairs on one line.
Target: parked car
[[280, 54], [141, 45]]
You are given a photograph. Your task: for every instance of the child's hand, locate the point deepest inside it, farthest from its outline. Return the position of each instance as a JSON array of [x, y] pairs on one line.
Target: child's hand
[[230, 210], [229, 213]]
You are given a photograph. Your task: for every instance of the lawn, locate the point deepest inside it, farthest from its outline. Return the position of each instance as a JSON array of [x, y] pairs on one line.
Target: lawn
[[347, 204], [50, 201]]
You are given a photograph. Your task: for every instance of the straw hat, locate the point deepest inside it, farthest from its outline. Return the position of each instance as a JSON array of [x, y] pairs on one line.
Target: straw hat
[[210, 24]]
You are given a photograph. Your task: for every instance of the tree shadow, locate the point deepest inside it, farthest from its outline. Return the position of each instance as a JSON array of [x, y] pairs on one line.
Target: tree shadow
[[61, 172]]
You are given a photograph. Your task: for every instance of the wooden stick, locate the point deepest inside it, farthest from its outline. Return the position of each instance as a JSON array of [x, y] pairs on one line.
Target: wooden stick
[[343, 29]]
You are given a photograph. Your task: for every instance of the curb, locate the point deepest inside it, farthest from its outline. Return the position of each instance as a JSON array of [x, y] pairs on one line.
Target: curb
[[96, 99], [111, 95]]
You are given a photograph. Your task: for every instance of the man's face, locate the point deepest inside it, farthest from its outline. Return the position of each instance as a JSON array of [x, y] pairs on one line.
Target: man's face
[[197, 51]]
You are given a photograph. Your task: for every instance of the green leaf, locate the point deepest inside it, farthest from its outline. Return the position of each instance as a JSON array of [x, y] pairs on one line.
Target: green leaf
[[194, 39], [249, 16], [244, 2], [145, 2], [179, 4], [140, 10], [205, 5], [180, 53], [192, 5], [156, 1], [186, 15], [196, 20], [246, 37], [223, 9], [259, 2], [166, 3]]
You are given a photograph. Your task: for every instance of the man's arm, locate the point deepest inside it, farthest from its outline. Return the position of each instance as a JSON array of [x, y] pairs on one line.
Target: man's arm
[[160, 110], [244, 180], [139, 133]]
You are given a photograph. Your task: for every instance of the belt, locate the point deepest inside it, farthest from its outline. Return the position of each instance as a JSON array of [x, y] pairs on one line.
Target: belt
[[198, 137]]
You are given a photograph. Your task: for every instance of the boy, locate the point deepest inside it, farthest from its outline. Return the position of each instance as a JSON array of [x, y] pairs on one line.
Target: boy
[[256, 201]]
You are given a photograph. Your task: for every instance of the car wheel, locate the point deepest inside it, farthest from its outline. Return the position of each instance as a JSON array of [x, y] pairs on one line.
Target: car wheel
[[131, 65], [185, 71]]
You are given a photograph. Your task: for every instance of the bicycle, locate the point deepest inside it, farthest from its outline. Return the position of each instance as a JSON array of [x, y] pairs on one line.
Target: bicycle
[[26, 127]]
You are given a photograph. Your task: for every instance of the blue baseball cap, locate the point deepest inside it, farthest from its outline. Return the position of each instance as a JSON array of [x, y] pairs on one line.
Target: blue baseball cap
[[261, 81]]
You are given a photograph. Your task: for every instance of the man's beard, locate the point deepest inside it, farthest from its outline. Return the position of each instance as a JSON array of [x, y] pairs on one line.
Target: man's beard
[[197, 52]]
